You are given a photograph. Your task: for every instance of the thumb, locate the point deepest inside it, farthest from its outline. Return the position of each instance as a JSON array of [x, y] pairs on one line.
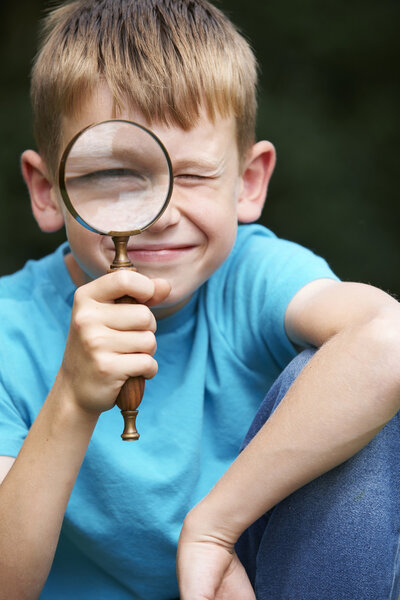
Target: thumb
[[162, 289]]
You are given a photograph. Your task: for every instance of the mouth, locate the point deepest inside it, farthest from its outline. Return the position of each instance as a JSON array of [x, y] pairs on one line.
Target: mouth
[[153, 253]]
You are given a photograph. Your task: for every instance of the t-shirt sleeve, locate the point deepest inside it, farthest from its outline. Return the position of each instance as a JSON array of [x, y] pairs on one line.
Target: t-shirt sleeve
[[13, 428], [264, 274], [290, 268]]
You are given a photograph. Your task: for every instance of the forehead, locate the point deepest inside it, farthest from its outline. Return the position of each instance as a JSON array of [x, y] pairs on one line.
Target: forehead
[[207, 139]]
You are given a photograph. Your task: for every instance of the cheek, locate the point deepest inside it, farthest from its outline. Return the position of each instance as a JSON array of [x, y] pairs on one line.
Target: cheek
[[85, 247], [219, 223], [78, 237], [215, 210], [221, 236]]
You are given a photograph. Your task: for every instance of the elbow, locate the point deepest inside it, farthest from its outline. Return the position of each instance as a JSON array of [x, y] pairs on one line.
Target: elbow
[[383, 332], [379, 341]]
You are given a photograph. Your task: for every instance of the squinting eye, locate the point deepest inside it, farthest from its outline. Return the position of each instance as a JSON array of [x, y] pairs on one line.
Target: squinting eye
[[190, 177]]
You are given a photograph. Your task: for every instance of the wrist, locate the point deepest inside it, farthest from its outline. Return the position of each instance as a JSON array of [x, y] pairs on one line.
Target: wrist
[[208, 521], [68, 405]]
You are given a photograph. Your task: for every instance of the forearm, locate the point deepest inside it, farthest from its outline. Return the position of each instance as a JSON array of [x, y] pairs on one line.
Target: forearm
[[347, 392], [35, 493]]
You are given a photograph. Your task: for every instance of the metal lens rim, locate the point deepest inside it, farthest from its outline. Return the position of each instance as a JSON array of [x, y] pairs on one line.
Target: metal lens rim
[[66, 198]]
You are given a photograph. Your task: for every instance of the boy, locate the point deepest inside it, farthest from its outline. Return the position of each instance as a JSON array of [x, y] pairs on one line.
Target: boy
[[86, 516]]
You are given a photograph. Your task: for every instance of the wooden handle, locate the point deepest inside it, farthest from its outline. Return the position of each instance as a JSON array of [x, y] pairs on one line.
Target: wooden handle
[[128, 399], [130, 395]]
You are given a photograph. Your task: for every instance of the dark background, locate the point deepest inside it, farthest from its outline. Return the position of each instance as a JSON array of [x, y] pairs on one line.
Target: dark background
[[329, 101]]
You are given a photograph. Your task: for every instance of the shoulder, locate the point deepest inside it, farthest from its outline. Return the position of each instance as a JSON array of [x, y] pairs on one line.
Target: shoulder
[[247, 298], [46, 272], [19, 284], [260, 256], [32, 297], [255, 238]]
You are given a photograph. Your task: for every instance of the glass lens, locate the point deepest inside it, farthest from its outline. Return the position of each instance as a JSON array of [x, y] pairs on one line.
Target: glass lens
[[115, 177]]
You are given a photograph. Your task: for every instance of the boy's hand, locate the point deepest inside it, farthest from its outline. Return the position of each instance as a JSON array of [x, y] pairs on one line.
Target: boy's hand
[[207, 566], [108, 342]]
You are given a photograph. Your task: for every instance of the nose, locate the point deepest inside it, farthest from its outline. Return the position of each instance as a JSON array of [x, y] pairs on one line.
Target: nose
[[169, 217]]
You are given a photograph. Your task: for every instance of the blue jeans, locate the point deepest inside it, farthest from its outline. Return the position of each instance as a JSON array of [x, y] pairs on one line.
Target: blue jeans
[[336, 538]]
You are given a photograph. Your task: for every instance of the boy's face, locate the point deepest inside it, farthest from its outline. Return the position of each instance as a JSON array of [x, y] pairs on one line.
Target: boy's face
[[197, 231]]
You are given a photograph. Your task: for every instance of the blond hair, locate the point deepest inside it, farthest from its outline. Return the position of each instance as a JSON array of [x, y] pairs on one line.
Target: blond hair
[[166, 58]]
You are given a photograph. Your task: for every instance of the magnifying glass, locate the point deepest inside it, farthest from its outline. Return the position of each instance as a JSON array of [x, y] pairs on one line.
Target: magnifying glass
[[115, 178]]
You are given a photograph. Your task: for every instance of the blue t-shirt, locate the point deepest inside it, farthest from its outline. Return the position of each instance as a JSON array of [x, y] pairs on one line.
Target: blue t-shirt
[[217, 358]]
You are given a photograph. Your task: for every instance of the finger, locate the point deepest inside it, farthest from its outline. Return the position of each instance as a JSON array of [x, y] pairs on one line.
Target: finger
[[162, 289], [117, 368], [128, 342], [127, 317], [136, 365], [201, 569], [235, 584], [114, 285]]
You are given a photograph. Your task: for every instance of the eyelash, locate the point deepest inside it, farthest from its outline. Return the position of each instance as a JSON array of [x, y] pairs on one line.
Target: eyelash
[[189, 176], [108, 173]]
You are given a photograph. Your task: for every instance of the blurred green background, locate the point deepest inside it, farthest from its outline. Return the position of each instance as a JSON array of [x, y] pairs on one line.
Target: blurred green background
[[329, 101]]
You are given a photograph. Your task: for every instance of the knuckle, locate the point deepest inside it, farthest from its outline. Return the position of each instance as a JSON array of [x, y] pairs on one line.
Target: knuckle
[[79, 294], [92, 342], [124, 278], [82, 296], [81, 318], [133, 283], [102, 366]]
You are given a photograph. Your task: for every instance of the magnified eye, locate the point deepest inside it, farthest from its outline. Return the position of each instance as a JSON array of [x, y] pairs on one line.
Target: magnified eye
[[107, 184], [104, 175]]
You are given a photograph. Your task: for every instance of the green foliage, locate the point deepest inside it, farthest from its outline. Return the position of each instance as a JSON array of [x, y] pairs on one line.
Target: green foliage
[[329, 97]]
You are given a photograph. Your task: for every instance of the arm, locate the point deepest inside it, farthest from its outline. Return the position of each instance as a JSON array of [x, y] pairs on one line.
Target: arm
[[106, 344], [347, 392]]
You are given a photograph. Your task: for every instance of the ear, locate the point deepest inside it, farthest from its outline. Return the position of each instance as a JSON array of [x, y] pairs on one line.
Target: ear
[[258, 168], [45, 206]]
